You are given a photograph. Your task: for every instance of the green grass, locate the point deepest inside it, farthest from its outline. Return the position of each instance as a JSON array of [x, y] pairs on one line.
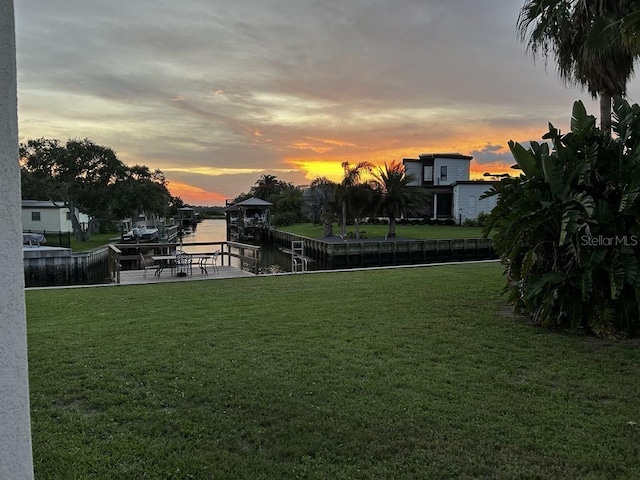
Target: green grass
[[420, 232], [379, 374], [96, 240]]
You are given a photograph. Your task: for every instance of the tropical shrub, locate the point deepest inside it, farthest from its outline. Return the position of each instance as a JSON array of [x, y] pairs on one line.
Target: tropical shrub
[[362, 235], [568, 228], [285, 218]]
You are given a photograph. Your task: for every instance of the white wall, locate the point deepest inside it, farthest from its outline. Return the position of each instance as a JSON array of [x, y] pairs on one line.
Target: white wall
[[16, 461], [415, 169], [467, 203], [457, 170], [52, 219]]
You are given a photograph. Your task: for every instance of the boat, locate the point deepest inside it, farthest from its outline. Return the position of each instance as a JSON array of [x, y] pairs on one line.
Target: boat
[[141, 233]]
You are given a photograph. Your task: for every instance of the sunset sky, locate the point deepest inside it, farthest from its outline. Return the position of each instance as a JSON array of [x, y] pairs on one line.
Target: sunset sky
[[215, 93]]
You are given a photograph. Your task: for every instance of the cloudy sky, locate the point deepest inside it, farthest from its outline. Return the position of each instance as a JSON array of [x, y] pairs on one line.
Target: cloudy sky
[[215, 93]]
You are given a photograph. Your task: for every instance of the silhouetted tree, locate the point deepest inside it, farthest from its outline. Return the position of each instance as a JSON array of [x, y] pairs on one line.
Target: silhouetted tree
[[346, 190], [81, 175], [320, 203], [564, 29], [396, 195]]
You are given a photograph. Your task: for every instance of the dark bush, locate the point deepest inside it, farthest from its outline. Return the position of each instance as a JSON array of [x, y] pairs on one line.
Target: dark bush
[[568, 228], [284, 219]]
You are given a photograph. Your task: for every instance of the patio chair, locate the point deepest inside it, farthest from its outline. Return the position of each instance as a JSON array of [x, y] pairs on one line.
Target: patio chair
[[214, 261], [184, 264], [146, 266]]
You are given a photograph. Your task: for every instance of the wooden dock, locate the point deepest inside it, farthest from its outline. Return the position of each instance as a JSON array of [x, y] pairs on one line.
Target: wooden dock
[[136, 277]]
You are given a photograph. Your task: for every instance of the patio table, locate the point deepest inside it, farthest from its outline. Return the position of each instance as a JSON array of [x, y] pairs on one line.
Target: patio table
[[200, 257], [163, 261]]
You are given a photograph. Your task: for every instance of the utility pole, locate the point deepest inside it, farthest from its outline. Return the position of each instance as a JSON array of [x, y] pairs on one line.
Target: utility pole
[[16, 461]]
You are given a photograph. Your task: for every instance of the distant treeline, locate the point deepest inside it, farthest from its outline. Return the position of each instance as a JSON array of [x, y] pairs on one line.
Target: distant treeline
[[209, 212]]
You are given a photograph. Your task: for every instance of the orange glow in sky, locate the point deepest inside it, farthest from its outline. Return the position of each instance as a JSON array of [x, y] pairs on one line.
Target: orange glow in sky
[[194, 195], [331, 166], [331, 169], [478, 170], [304, 158], [291, 102]]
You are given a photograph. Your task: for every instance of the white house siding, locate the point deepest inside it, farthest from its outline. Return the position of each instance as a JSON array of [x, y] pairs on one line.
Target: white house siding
[[457, 170], [455, 196], [467, 203], [415, 169], [15, 441], [52, 218]]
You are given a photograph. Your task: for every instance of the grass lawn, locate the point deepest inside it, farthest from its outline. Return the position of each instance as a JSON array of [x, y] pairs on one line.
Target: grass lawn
[[379, 374], [420, 232], [96, 240]]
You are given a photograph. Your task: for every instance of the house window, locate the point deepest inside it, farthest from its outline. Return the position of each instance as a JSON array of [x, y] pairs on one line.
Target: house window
[[35, 216], [428, 173], [443, 173], [68, 215]]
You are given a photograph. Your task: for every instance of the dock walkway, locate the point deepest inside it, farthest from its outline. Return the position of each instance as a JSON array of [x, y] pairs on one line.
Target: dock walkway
[[135, 277]]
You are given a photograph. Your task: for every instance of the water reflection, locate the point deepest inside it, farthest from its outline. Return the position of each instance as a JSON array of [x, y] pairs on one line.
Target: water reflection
[[207, 231], [272, 259]]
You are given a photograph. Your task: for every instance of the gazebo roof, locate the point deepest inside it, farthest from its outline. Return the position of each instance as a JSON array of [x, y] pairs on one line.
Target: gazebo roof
[[252, 202]]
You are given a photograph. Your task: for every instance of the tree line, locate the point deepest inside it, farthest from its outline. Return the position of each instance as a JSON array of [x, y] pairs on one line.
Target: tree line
[[89, 178], [83, 176], [364, 191]]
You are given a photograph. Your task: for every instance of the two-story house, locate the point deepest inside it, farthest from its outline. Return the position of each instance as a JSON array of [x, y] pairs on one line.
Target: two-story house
[[447, 177]]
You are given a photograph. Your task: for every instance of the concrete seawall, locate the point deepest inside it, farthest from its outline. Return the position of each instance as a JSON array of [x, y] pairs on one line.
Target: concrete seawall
[[334, 252]]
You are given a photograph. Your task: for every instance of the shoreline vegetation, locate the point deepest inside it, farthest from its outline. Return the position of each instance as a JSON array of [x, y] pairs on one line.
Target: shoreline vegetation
[[402, 373]]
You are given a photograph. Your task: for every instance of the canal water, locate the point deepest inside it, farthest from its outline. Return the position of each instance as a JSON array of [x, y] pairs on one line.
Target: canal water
[[272, 259]]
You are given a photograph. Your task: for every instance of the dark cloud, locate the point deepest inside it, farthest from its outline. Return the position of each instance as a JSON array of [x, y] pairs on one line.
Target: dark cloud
[[492, 154], [219, 83], [496, 154]]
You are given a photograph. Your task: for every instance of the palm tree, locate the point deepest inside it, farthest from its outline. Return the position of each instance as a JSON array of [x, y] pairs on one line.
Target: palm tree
[[606, 31], [345, 191], [630, 25], [396, 195], [287, 203], [266, 186], [362, 203], [320, 203], [564, 29]]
